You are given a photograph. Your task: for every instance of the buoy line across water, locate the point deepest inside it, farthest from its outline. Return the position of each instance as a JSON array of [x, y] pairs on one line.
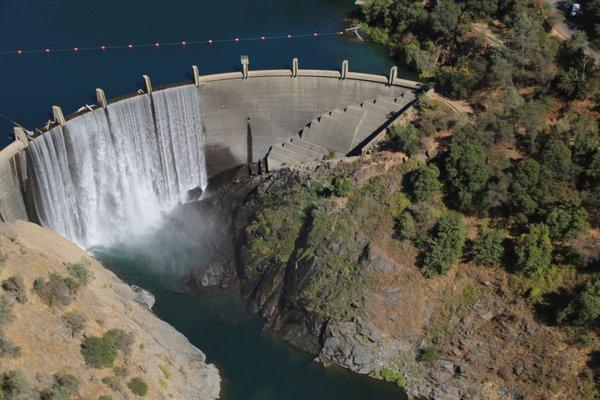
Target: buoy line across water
[[184, 43]]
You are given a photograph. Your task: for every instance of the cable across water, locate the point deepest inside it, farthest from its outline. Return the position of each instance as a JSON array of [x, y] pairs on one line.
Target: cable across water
[[183, 43]]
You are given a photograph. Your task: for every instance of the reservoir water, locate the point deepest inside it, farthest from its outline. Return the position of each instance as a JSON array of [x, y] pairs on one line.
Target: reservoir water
[[254, 365], [31, 83]]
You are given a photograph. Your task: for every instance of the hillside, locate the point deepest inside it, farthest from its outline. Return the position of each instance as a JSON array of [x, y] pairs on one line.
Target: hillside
[[57, 305], [321, 253]]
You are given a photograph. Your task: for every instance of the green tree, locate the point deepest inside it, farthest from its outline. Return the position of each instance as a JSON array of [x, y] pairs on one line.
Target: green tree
[[423, 57], [481, 8], [445, 17], [556, 159], [423, 182], [501, 66], [571, 83], [446, 245], [584, 135], [593, 171], [488, 246], [457, 82], [531, 189], [567, 220], [467, 173], [405, 138], [533, 50], [534, 250], [532, 118], [588, 312]]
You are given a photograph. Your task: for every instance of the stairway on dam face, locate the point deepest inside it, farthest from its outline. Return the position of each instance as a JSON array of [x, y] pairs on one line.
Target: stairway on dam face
[[338, 132]]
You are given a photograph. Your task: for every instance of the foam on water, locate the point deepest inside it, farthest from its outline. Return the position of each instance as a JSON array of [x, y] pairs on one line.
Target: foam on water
[[110, 174]]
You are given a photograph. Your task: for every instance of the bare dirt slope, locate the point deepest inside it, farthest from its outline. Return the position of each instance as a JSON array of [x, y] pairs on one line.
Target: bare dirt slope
[[163, 358]]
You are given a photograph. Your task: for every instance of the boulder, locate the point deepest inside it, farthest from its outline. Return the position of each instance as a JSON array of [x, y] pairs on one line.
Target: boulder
[[143, 297], [213, 274]]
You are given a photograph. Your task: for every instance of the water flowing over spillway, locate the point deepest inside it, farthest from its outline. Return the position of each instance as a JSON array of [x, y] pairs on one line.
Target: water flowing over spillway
[[110, 174]]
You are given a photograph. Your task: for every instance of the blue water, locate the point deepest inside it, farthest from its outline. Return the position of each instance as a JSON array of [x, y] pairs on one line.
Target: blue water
[[31, 83]]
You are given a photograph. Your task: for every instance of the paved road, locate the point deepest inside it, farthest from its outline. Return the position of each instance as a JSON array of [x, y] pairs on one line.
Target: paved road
[[567, 29]]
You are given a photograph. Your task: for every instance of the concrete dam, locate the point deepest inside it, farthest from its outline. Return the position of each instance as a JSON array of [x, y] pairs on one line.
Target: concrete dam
[[116, 167]]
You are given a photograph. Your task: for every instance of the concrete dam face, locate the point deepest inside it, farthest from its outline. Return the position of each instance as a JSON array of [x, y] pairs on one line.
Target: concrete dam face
[[111, 172], [114, 169]]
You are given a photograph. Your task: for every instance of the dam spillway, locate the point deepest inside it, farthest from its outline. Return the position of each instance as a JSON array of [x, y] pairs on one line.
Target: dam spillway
[[112, 172], [113, 169]]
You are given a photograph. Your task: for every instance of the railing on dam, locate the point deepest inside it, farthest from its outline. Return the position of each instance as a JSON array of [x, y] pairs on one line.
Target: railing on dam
[[341, 86]]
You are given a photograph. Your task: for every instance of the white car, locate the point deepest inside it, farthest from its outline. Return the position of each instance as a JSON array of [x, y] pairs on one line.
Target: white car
[[575, 9]]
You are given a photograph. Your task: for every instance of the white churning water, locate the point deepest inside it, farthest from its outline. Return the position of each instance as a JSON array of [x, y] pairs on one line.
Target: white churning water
[[110, 174]]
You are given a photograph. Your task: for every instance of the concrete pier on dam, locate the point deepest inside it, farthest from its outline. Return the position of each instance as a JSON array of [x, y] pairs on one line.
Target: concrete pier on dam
[[267, 119]]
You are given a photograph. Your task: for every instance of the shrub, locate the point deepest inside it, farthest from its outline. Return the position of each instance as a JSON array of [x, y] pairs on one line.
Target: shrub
[[398, 204], [488, 247], [166, 370], [120, 339], [426, 215], [81, 272], [405, 138], [446, 246], [405, 227], [120, 371], [113, 382], [105, 397], [548, 279], [99, 352], [534, 250], [14, 384], [342, 187], [138, 386], [65, 385], [57, 290], [6, 313], [428, 355], [389, 375], [423, 182], [8, 347], [15, 286], [75, 321]]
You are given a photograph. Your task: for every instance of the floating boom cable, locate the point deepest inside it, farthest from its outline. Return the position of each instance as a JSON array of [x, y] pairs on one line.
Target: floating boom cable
[[184, 43]]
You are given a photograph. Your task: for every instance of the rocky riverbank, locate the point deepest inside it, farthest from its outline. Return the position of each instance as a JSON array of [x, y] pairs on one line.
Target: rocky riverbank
[[316, 253], [72, 329]]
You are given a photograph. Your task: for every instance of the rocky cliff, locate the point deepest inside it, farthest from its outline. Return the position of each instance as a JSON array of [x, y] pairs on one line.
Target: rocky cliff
[[316, 253], [71, 328]]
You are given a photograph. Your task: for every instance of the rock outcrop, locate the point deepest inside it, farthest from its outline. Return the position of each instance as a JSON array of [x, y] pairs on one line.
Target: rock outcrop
[[143, 297], [327, 273]]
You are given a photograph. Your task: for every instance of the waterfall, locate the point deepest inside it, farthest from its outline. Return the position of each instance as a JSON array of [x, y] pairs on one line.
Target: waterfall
[[110, 174]]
